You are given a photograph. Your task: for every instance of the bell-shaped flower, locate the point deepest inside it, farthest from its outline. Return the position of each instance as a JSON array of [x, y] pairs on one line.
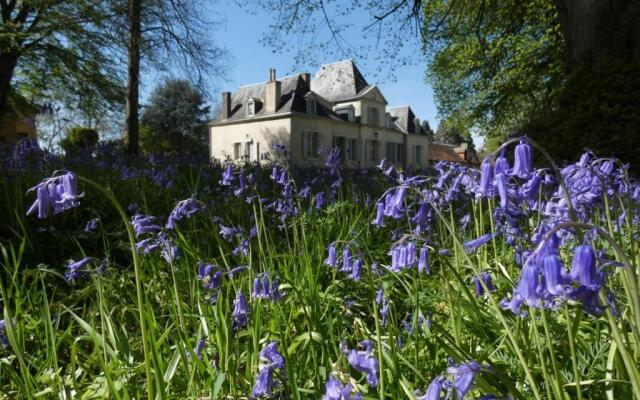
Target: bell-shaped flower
[[240, 314], [555, 277], [423, 261], [584, 270], [379, 220], [523, 161], [332, 258]]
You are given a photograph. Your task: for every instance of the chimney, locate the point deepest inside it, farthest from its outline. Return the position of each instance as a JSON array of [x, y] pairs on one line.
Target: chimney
[[307, 78], [417, 126], [272, 93], [226, 105]]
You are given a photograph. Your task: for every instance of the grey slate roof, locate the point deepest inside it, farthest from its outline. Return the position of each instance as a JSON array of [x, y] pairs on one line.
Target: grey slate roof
[[403, 117], [339, 81]]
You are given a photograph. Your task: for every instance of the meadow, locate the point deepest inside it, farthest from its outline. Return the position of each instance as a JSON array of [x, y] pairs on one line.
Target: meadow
[[173, 278]]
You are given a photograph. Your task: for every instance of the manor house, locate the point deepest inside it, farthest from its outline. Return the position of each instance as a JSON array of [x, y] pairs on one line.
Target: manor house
[[337, 108]]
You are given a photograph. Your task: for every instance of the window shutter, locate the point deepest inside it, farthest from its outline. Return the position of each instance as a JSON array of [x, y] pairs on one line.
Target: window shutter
[[256, 155]]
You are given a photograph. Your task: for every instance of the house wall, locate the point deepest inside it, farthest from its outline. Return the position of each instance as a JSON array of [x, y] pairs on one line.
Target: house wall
[[261, 133], [13, 129], [293, 130]]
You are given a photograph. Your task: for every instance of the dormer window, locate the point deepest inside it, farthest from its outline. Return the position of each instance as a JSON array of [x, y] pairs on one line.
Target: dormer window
[[346, 113], [251, 108], [311, 106]]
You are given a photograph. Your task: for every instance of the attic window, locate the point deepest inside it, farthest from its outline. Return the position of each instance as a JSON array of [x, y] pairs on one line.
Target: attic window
[[251, 108], [311, 106], [345, 113]]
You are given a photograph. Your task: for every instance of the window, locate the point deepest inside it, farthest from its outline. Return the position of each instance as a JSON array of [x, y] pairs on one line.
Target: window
[[352, 149], [251, 108], [390, 152], [399, 152], [372, 151], [417, 155], [311, 144], [248, 151], [237, 151], [345, 113], [373, 115], [311, 106]]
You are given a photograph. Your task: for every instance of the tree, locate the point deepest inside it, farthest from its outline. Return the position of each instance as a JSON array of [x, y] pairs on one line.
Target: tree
[[175, 119], [55, 46], [449, 133], [426, 128], [78, 139], [163, 35]]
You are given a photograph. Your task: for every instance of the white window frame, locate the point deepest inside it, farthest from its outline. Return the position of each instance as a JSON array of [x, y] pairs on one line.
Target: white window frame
[[371, 114], [237, 150], [311, 106], [311, 145], [251, 108]]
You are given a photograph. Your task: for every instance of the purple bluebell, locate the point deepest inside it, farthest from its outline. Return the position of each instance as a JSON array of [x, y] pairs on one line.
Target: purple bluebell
[[531, 188], [332, 258], [501, 184], [523, 161], [384, 311], [395, 206], [242, 185], [486, 178], [275, 173], [365, 362], [240, 314], [55, 194], [528, 291], [227, 175], [320, 200], [184, 208], [43, 202], [304, 192], [333, 159], [144, 224], [356, 270], [228, 232], [379, 220], [436, 387], [486, 278], [4, 340], [334, 390], [148, 245], [423, 261], [464, 376], [501, 166], [584, 271], [92, 225], [271, 356], [475, 243], [283, 179], [556, 279], [347, 261], [199, 348], [75, 269], [263, 386]]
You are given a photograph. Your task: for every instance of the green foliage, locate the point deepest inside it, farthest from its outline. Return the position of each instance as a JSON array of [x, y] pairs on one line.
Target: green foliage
[[492, 64], [597, 109], [450, 133], [79, 138], [175, 120]]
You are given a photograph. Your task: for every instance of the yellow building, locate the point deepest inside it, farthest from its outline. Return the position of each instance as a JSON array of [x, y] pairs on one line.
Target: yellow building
[[337, 108], [20, 122]]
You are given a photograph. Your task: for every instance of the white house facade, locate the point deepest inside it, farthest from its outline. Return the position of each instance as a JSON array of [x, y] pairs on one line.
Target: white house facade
[[337, 108]]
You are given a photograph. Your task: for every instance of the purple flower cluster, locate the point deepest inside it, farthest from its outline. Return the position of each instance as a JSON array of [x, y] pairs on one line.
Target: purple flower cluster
[[335, 390], [459, 381], [55, 194], [350, 264], [363, 361], [263, 289], [184, 208], [211, 279], [270, 361]]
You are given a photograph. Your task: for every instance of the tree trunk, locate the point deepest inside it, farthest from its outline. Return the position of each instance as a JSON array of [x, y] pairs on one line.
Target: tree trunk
[[8, 64], [600, 30], [131, 133]]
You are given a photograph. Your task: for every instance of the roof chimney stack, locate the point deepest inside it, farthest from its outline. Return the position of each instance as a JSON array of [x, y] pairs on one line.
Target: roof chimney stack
[[307, 78], [226, 105], [272, 93]]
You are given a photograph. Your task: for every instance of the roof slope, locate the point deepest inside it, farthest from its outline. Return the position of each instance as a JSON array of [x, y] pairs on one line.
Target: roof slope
[[339, 81], [404, 118]]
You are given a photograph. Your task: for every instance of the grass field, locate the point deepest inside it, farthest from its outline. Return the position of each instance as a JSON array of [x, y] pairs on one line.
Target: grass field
[[172, 279]]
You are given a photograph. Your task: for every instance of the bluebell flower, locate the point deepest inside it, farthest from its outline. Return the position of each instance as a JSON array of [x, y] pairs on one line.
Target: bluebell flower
[[242, 185], [501, 166], [55, 194], [240, 314], [227, 175], [523, 161], [4, 340], [584, 271], [283, 179], [486, 278], [528, 291], [271, 356], [75, 269], [333, 159], [423, 261], [263, 386], [332, 259], [384, 311], [556, 278], [475, 243], [531, 188], [346, 260], [379, 221], [275, 173], [486, 178], [379, 296], [356, 271], [184, 208], [335, 390], [199, 348], [144, 224], [464, 376], [320, 200], [91, 225], [364, 362], [501, 184], [228, 232], [437, 385]]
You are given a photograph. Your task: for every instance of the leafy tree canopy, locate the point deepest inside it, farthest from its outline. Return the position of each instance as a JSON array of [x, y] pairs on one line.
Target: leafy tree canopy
[[175, 119], [450, 133]]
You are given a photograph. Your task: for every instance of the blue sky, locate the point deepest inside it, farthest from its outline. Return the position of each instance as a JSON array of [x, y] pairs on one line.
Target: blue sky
[[250, 60]]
